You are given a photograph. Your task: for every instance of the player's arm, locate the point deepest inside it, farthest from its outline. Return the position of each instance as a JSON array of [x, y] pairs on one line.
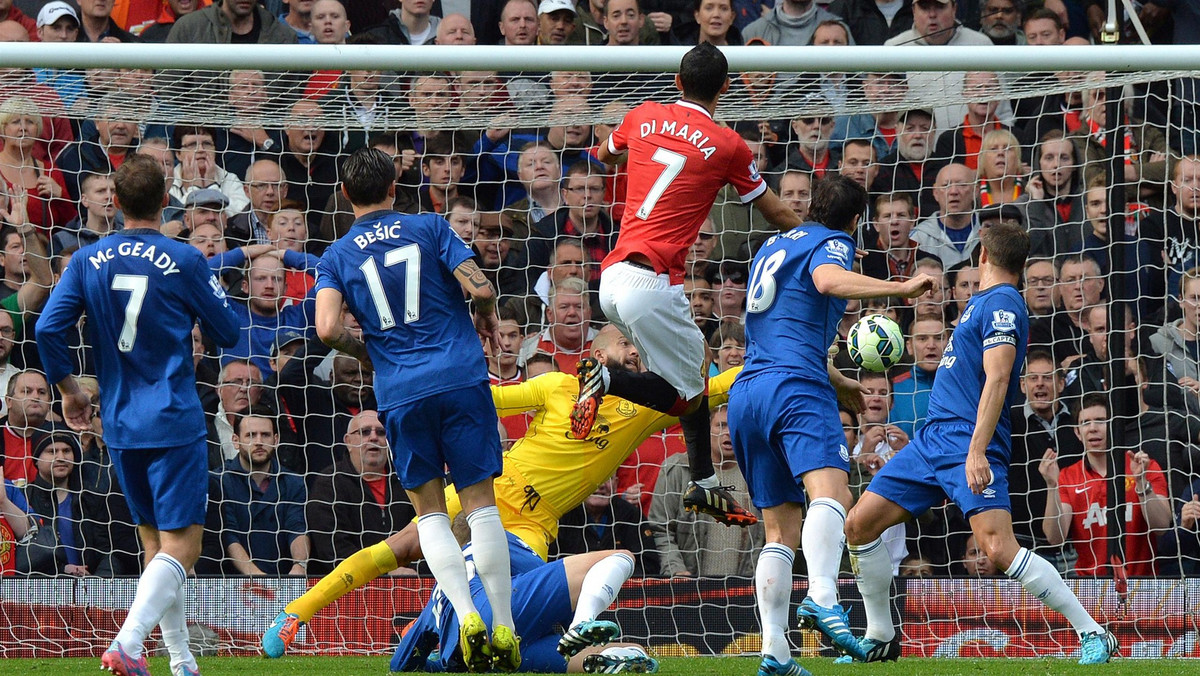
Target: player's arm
[[526, 396], [719, 386], [775, 211], [332, 330], [849, 390], [218, 320], [997, 365], [61, 313], [610, 157], [36, 289], [834, 280], [481, 291]]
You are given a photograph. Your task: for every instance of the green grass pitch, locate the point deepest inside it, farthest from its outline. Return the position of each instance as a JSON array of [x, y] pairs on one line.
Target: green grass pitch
[[680, 666]]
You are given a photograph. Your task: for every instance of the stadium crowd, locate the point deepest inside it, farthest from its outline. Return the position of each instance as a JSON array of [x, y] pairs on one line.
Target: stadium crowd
[[300, 469]]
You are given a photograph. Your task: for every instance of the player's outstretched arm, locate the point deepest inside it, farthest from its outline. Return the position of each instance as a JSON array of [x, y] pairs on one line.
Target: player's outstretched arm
[[776, 212], [833, 280], [997, 365], [606, 155], [332, 330]]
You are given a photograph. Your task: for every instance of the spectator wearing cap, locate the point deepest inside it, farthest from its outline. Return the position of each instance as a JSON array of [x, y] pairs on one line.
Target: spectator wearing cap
[[98, 215], [411, 24], [205, 207], [59, 22], [71, 539], [359, 503], [729, 286], [791, 23], [909, 167], [868, 23], [10, 12], [231, 22], [556, 21], [197, 169], [97, 24]]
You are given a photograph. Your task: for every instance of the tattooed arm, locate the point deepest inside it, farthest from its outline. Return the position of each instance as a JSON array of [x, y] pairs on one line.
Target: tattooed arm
[[480, 289]]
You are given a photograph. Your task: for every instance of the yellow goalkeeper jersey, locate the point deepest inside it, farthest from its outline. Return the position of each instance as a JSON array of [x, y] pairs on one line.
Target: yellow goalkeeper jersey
[[547, 473]]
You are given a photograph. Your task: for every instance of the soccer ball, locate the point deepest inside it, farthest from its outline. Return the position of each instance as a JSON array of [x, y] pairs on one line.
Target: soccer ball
[[875, 343]]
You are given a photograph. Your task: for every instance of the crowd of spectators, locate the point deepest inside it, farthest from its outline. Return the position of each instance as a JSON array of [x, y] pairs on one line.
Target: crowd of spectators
[[300, 468]]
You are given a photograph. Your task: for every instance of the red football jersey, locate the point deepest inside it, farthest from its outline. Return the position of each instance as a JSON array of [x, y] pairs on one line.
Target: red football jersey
[[1087, 493], [679, 158]]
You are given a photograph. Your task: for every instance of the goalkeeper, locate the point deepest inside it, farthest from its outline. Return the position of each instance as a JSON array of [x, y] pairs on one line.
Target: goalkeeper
[[546, 474]]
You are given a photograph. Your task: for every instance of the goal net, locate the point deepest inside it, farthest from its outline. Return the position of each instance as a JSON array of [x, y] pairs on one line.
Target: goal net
[[946, 142]]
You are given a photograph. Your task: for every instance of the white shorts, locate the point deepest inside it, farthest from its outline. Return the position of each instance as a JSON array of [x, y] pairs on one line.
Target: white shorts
[[657, 317]]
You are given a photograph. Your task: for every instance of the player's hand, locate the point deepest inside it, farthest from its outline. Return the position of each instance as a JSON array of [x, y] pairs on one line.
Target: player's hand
[[979, 472], [850, 394], [77, 410], [1138, 465], [1190, 514], [916, 286], [486, 325], [1048, 468]]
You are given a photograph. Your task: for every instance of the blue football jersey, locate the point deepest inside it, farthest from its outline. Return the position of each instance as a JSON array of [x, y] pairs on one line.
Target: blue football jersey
[[789, 324], [396, 273], [993, 317], [142, 293]]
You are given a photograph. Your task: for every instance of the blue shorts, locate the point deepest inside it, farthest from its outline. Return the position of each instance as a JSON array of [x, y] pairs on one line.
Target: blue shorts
[[932, 467], [541, 604], [455, 429], [165, 487], [784, 426]]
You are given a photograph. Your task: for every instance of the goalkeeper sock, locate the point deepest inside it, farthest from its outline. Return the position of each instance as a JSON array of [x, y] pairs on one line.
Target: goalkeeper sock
[[873, 572], [644, 388], [821, 540], [360, 568], [445, 559], [773, 590], [175, 633], [159, 587], [490, 545], [697, 434], [601, 585], [1040, 578]]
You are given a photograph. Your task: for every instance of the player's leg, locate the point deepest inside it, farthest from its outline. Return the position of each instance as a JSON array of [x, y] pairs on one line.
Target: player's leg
[[773, 581], [167, 492], [471, 446], [358, 569], [872, 564], [993, 531], [593, 582], [823, 534]]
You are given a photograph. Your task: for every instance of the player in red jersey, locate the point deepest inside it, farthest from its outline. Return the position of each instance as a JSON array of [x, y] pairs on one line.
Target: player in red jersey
[[678, 158], [1081, 489]]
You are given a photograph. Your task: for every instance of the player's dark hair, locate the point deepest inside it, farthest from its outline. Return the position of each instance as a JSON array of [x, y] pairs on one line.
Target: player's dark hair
[[837, 201], [1007, 245], [140, 187], [1093, 399], [366, 176], [703, 72]]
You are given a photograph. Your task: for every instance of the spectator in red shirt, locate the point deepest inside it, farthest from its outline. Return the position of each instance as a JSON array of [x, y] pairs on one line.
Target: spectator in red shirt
[[9, 12], [21, 131], [1078, 514], [28, 400]]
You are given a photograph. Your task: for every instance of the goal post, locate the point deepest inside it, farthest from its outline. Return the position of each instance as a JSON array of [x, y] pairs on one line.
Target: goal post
[[459, 121]]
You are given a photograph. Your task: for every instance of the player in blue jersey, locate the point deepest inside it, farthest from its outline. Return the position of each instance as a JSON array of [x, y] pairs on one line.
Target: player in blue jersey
[[403, 278], [783, 411], [568, 592], [963, 453], [143, 293]]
